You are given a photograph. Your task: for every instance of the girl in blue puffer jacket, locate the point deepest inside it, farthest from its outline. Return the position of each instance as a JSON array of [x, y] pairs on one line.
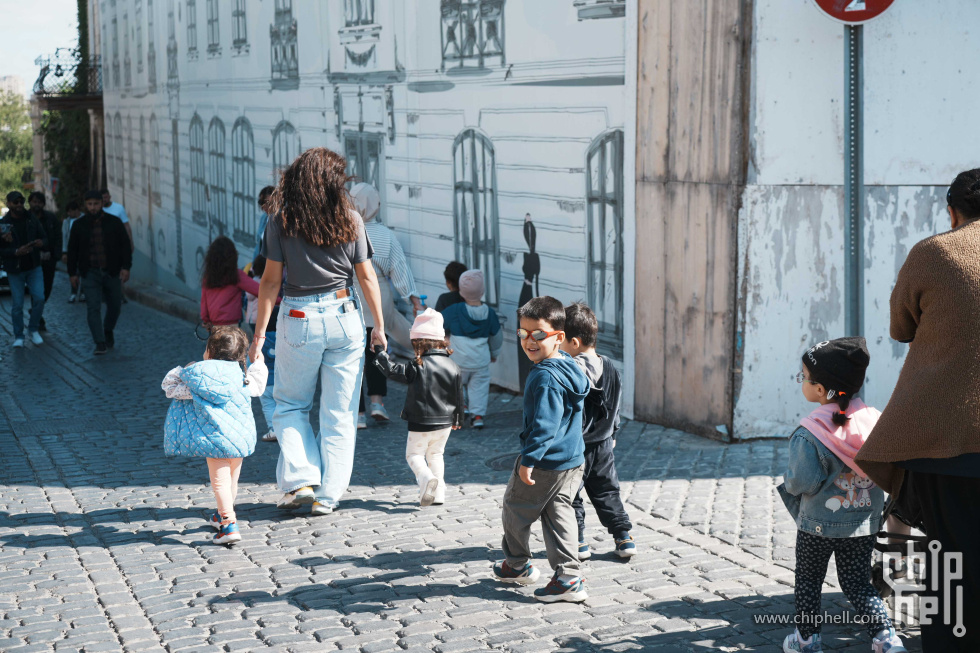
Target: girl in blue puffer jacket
[[211, 417]]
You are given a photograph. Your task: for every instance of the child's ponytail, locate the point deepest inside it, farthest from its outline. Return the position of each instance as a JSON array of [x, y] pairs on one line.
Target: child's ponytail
[[840, 417]]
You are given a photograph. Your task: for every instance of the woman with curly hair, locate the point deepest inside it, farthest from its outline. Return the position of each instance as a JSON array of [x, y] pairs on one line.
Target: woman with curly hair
[[318, 239], [222, 284]]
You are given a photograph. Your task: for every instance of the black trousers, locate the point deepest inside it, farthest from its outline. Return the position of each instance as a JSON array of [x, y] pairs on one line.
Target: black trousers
[[97, 285], [48, 268], [375, 383], [951, 515], [601, 483]]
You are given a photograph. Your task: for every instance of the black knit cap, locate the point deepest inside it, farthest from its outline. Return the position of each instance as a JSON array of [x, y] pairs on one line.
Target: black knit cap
[[838, 365]]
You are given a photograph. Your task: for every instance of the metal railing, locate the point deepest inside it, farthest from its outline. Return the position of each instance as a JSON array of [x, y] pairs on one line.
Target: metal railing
[[65, 74]]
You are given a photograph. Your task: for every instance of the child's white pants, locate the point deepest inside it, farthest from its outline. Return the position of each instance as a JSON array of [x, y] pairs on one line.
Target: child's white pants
[[477, 383], [424, 453]]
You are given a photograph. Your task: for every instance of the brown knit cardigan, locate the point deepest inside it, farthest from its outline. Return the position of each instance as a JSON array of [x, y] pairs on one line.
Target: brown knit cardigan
[[934, 411]]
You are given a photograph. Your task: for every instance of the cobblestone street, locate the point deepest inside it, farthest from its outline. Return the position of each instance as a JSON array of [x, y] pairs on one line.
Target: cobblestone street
[[104, 546]]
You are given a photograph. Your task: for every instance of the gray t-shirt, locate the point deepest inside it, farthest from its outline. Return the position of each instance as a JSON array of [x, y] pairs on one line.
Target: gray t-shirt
[[311, 270]]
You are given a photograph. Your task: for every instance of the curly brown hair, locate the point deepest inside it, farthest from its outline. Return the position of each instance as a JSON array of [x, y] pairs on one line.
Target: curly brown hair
[[220, 264], [422, 345], [228, 343], [311, 200]]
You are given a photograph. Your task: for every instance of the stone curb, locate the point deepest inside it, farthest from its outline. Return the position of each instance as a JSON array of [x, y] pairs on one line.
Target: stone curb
[[164, 301]]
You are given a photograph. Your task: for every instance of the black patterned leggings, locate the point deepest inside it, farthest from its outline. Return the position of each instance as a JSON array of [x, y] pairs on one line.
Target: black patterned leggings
[[853, 558]]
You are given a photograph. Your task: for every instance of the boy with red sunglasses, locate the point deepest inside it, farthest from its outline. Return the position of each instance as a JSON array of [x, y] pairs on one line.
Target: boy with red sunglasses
[[548, 472]]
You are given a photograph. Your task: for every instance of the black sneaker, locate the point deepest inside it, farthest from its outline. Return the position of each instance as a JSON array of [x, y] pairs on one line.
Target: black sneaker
[[110, 340], [100, 348]]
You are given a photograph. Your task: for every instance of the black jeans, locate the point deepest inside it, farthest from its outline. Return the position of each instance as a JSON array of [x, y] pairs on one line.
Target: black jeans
[[375, 383], [951, 515], [48, 268], [601, 483], [95, 284]]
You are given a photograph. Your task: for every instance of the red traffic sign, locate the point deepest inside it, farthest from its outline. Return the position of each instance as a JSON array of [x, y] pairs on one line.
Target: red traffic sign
[[853, 12]]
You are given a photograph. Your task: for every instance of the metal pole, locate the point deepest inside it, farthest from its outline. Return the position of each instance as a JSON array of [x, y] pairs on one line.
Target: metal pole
[[854, 179]]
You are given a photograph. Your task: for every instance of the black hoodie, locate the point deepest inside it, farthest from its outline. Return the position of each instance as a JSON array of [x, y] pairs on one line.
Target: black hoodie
[[601, 417]]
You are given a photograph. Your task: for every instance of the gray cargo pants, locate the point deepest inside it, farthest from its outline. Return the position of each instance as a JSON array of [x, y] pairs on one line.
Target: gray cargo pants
[[550, 499]]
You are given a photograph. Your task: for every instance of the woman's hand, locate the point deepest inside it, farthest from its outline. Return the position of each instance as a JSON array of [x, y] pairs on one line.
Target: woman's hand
[[378, 338]]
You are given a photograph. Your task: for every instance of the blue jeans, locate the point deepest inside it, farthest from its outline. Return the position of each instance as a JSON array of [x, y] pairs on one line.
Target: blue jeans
[[329, 342], [33, 282]]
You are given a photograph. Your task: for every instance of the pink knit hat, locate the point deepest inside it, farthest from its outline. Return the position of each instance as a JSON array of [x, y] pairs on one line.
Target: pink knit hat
[[428, 326], [471, 285]]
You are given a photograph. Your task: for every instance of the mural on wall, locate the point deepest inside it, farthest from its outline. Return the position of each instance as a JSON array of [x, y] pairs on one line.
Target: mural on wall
[[530, 289], [469, 116]]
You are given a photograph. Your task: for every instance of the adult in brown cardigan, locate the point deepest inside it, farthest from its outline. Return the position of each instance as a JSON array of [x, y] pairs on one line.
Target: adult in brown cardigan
[[926, 445]]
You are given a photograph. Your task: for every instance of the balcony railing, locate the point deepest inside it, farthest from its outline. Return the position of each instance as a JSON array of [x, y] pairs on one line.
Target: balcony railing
[[65, 74]]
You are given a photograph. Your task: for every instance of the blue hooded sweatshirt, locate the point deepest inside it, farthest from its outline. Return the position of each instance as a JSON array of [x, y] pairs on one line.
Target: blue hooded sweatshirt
[[554, 398]]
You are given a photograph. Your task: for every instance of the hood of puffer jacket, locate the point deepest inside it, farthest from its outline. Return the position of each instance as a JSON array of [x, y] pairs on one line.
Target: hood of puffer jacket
[[215, 382]]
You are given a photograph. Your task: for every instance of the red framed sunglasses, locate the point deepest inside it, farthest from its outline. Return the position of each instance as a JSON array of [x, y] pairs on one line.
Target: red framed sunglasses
[[537, 334]]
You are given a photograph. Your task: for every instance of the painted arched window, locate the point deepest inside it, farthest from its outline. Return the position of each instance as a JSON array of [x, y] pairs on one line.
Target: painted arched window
[[154, 160], [604, 194], [143, 176], [244, 211], [120, 158], [199, 198], [285, 147], [217, 176], [475, 208], [131, 151]]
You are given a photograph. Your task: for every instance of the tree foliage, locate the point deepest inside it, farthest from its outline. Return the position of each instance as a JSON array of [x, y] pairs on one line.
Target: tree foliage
[[15, 141]]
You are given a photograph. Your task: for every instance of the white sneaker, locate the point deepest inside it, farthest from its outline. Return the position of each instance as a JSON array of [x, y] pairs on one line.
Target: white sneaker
[[427, 488], [361, 422], [36, 338], [72, 298], [301, 497], [270, 436], [18, 342], [888, 642], [81, 297], [439, 497]]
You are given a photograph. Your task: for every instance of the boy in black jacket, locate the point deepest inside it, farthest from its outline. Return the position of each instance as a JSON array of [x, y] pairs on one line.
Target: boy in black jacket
[[600, 425]]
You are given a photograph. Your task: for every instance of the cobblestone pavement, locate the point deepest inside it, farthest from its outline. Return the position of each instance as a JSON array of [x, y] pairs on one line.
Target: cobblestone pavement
[[103, 545]]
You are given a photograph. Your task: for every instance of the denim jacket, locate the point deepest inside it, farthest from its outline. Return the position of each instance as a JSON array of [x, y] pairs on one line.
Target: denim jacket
[[824, 496]]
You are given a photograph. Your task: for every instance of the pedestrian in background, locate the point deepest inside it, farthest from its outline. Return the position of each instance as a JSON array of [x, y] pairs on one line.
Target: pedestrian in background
[[452, 273], [100, 254], [52, 253], [925, 450], [476, 340], [23, 241], [267, 400], [391, 268], [211, 417], [433, 404], [117, 209], [836, 507], [318, 239], [73, 212], [222, 285], [264, 195]]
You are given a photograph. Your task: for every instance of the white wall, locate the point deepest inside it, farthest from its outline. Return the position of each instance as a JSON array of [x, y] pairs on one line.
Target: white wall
[[564, 83], [920, 131]]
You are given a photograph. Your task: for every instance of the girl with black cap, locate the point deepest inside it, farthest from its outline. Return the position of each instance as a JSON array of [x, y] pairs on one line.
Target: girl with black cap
[[837, 508]]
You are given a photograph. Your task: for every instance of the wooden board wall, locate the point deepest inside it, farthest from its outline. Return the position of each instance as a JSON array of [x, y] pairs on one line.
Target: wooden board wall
[[691, 144]]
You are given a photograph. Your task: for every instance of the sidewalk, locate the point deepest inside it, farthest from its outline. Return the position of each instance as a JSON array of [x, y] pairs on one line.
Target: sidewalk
[[103, 545]]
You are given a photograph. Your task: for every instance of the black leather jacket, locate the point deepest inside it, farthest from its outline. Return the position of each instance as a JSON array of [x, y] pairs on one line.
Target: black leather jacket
[[435, 388]]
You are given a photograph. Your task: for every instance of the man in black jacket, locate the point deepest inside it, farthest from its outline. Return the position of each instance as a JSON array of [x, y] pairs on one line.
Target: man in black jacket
[[22, 239], [99, 252], [50, 256]]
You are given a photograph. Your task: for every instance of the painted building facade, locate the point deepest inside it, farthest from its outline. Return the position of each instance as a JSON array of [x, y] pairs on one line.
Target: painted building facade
[[498, 132]]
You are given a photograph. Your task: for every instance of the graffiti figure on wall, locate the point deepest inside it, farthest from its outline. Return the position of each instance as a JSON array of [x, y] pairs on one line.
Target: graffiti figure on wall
[[530, 289]]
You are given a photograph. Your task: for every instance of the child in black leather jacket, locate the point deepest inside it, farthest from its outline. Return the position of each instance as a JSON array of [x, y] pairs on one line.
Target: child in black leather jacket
[[433, 405]]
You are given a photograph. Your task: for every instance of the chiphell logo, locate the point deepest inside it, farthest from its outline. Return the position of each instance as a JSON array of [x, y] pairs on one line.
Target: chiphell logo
[[950, 564]]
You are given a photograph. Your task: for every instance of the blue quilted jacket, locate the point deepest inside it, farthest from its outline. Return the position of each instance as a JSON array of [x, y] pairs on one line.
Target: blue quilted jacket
[[217, 422]]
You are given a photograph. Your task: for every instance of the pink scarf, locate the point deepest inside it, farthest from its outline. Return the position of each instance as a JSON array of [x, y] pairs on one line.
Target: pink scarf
[[843, 441]]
